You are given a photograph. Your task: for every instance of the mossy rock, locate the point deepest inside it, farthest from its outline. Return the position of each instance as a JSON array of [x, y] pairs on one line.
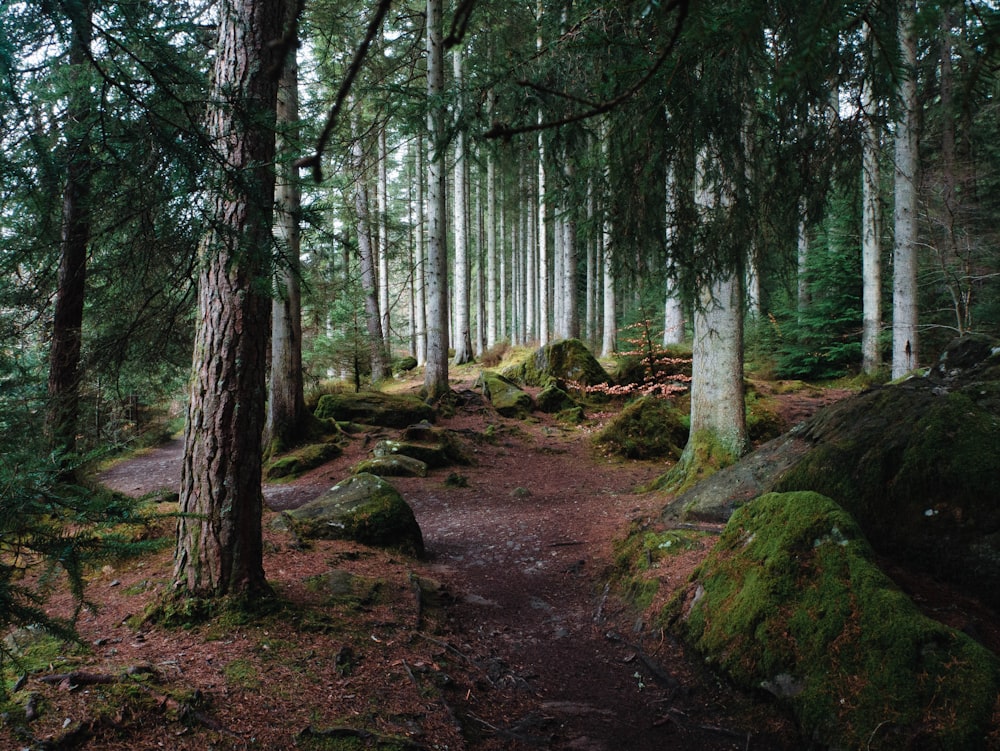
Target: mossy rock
[[790, 600], [433, 455], [507, 398], [375, 408], [295, 463], [404, 364], [397, 465], [363, 508], [647, 428], [552, 399], [455, 451], [566, 361]]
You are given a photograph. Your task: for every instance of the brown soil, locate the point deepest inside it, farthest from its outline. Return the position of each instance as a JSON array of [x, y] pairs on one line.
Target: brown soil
[[511, 640]]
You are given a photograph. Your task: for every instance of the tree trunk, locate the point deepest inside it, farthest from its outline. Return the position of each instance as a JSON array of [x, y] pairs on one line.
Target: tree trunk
[[369, 284], [436, 373], [286, 408], [543, 256], [491, 252], [463, 327], [420, 257], [382, 206], [673, 310], [609, 328], [67, 321], [871, 251], [904, 267], [219, 545]]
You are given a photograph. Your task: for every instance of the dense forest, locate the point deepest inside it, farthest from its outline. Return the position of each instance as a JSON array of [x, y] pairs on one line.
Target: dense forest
[[210, 208]]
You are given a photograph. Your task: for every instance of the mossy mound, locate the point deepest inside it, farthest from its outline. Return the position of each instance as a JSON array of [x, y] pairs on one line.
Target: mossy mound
[[790, 600], [507, 398], [566, 361], [374, 408], [647, 428], [552, 399], [302, 459], [363, 508]]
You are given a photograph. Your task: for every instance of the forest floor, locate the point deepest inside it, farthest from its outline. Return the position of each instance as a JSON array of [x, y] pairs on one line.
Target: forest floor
[[505, 637]]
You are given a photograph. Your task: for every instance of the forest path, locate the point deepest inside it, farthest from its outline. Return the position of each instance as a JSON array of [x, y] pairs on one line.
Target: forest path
[[524, 548]]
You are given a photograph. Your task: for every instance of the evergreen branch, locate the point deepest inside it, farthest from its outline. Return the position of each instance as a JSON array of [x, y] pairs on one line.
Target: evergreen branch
[[459, 23], [502, 130], [315, 161]]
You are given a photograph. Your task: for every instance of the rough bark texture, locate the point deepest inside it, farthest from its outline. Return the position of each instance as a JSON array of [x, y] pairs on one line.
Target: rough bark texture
[[904, 267], [67, 323], [436, 373], [463, 328], [419, 258], [219, 548], [286, 402]]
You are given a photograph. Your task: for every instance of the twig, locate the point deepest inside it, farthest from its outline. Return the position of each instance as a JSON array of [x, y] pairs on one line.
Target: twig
[[599, 615]]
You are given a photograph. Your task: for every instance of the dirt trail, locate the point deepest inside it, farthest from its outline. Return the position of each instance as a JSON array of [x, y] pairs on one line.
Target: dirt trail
[[524, 549]]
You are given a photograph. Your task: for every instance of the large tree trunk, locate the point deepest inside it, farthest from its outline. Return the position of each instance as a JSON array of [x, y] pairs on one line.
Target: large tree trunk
[[420, 257], [609, 327], [67, 322], [871, 250], [543, 255], [382, 207], [219, 546], [491, 252], [436, 372], [463, 326], [286, 410], [673, 309], [904, 266]]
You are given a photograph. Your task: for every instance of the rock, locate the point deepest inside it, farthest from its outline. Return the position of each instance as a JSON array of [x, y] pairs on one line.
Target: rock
[[397, 465], [364, 508], [552, 399], [566, 361], [790, 600], [507, 398], [301, 460], [916, 463], [647, 428], [375, 408], [404, 364]]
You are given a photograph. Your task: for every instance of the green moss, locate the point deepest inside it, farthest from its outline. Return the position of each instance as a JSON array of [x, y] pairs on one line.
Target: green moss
[[637, 555], [375, 408], [703, 456], [791, 600], [242, 673], [301, 460], [646, 428]]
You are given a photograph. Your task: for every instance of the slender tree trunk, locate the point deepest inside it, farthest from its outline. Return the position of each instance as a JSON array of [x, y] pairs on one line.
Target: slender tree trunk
[[480, 270], [491, 252], [67, 321], [436, 373], [571, 308], [366, 253], [904, 267], [531, 254], [286, 407], [463, 329], [673, 310], [591, 290], [802, 263], [558, 278], [871, 250], [420, 256], [502, 322], [382, 205], [219, 542], [609, 328]]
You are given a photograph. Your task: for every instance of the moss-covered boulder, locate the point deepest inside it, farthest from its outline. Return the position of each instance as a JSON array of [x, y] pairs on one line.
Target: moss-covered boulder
[[552, 399], [300, 460], [647, 428], [363, 508], [374, 408], [791, 601], [432, 455], [565, 361], [915, 463], [396, 465], [507, 398]]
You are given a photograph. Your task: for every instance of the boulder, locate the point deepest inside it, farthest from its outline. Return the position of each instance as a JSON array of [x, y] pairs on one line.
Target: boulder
[[375, 408], [302, 459], [552, 399], [915, 463], [363, 508], [507, 398], [790, 600], [565, 361], [396, 465], [647, 428]]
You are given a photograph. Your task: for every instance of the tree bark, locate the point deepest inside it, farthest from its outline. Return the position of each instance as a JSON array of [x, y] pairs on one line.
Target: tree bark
[[491, 252], [436, 372], [286, 410], [673, 310], [67, 320], [871, 250], [463, 328], [366, 252], [420, 257], [382, 207], [609, 328], [904, 268], [219, 546]]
